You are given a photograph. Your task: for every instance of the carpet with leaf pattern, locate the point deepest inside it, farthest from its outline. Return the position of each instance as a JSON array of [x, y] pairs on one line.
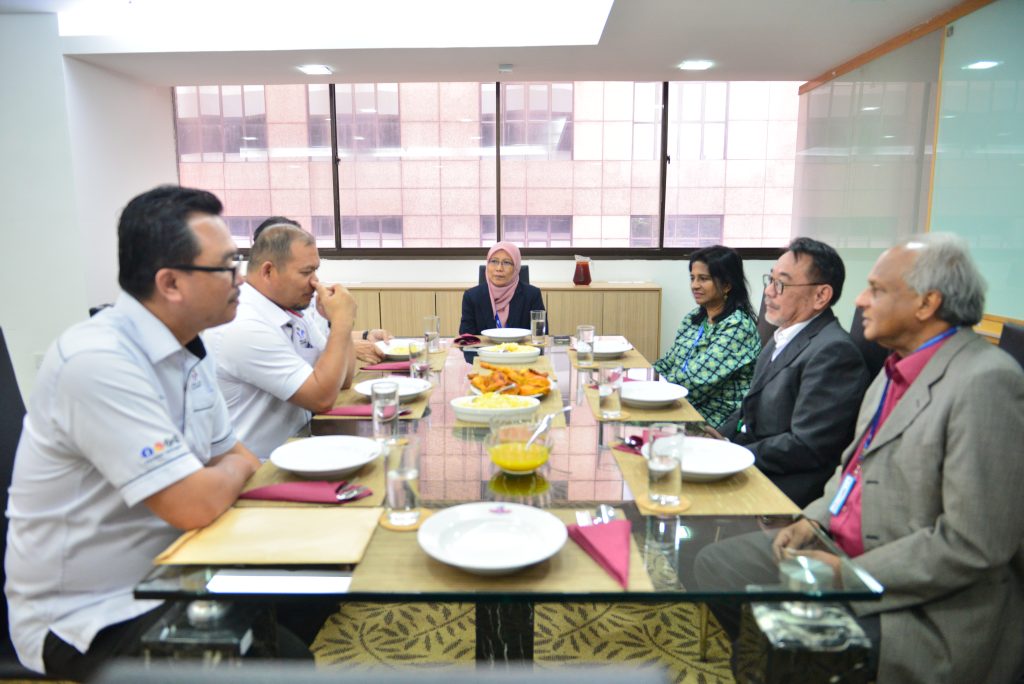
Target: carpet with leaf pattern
[[441, 635]]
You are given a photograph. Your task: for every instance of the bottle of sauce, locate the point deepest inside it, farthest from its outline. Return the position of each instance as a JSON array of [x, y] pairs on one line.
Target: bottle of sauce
[[582, 274]]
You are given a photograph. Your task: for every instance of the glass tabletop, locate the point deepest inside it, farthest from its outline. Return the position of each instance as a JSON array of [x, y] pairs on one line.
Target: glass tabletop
[[689, 557]]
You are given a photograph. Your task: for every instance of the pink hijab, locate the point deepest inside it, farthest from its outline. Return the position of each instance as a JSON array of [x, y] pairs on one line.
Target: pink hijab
[[502, 295]]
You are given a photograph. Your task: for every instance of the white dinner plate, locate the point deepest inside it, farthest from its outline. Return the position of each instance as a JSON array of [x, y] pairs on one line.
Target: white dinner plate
[[610, 349], [707, 460], [329, 457], [506, 334], [651, 394], [408, 388], [396, 349], [493, 354], [472, 414], [491, 538]]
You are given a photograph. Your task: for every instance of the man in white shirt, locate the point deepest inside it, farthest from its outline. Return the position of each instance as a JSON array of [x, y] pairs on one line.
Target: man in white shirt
[[274, 365], [808, 382], [127, 441]]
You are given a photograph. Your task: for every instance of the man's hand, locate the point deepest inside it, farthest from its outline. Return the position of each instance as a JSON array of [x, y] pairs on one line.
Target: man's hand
[[378, 335], [366, 350], [338, 304], [793, 537]]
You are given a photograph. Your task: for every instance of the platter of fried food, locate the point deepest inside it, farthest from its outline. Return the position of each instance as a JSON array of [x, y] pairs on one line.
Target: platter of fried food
[[522, 381], [480, 409], [508, 352]]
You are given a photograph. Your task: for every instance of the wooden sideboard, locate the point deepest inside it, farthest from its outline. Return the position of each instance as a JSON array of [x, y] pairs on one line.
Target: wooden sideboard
[[629, 309]]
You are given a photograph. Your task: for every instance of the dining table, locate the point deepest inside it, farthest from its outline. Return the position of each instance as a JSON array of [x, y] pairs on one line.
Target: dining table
[[276, 551]]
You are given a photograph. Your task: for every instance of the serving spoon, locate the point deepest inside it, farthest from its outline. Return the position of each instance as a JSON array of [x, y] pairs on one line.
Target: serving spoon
[[544, 424]]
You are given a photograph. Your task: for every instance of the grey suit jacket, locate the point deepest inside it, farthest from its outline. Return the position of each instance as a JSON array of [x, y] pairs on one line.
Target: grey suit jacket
[[941, 518], [800, 411]]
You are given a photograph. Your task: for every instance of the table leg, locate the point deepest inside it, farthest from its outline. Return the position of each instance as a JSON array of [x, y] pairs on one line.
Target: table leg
[[702, 644], [504, 633]]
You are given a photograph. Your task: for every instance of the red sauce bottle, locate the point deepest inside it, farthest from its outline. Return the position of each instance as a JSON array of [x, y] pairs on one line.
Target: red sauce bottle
[[582, 274]]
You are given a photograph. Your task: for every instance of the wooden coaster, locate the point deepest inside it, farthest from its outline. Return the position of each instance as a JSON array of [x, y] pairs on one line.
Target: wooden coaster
[[649, 508], [424, 514]]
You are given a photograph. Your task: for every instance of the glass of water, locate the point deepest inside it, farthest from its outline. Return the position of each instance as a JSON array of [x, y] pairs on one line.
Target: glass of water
[[384, 395], [664, 464], [403, 480], [609, 390], [584, 345], [419, 367], [432, 333], [538, 320]]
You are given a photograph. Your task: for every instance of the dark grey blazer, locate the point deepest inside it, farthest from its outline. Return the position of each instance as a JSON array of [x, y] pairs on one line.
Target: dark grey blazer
[[477, 314], [799, 413]]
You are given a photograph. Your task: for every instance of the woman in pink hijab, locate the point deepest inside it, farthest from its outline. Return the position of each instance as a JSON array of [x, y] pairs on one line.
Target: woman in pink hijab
[[503, 300]]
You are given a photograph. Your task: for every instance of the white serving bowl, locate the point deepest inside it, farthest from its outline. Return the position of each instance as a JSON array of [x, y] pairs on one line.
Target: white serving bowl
[[471, 414]]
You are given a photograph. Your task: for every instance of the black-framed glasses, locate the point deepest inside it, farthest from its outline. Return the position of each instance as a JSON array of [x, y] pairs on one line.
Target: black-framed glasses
[[501, 262], [780, 286], [236, 261]]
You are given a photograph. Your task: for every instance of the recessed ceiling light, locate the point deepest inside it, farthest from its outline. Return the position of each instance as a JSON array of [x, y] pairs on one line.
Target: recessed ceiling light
[[315, 69], [696, 64], [982, 64], [888, 137], [504, 68], [869, 109]]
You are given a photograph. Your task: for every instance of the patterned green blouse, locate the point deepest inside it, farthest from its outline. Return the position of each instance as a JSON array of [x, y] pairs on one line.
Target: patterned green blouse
[[716, 365]]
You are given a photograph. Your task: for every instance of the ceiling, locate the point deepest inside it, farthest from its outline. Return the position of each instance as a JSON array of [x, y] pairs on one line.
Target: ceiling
[[791, 40]]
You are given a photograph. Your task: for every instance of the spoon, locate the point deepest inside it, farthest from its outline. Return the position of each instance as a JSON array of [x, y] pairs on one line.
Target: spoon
[[544, 424], [351, 493]]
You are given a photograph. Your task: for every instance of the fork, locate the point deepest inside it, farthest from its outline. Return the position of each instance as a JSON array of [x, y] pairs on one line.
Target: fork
[[351, 492]]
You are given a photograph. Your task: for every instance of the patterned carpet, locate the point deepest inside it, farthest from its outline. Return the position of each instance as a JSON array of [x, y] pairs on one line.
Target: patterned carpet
[[441, 635]]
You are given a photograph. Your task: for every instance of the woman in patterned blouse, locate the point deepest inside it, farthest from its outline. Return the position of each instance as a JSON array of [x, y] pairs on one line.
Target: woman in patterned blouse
[[717, 343]]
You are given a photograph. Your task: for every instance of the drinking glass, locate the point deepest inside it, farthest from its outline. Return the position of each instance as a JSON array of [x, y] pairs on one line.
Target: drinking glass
[[403, 481], [419, 367], [584, 345], [538, 319], [432, 333], [384, 395], [664, 464], [609, 390]]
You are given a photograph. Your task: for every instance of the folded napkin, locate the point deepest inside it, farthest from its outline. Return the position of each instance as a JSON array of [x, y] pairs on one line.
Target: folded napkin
[[622, 446], [389, 366], [310, 491], [465, 340], [357, 410], [608, 545]]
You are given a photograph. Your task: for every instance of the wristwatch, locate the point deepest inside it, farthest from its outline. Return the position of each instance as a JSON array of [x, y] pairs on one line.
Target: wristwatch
[[366, 334]]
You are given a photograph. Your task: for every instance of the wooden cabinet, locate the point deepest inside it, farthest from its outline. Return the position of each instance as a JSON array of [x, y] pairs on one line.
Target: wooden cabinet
[[629, 309]]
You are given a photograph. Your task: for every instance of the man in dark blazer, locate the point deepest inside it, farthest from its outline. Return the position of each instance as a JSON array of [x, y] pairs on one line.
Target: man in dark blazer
[[809, 379]]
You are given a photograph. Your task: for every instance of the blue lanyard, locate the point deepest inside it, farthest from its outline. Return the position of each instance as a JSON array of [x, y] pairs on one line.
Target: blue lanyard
[[878, 412], [700, 334], [497, 321]]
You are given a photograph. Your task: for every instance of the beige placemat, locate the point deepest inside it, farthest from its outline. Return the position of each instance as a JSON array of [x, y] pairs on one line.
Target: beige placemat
[[371, 475], [394, 561], [678, 412], [277, 536], [349, 397], [631, 359], [746, 493]]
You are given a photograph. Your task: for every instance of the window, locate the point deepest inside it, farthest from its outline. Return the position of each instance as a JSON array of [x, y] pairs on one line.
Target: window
[[534, 231], [242, 227], [367, 117], [536, 119], [221, 123], [371, 231], [680, 231]]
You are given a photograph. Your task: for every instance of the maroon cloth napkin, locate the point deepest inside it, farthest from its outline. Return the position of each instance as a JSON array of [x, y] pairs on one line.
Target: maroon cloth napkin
[[608, 545], [622, 446], [389, 366], [466, 340], [357, 410], [311, 491]]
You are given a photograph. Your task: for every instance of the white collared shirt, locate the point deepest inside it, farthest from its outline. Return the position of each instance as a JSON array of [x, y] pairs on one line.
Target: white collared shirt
[[263, 357], [783, 336], [120, 412]]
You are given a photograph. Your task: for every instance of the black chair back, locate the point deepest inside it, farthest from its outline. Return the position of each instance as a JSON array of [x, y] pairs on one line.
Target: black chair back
[[12, 414], [1012, 341], [764, 328], [524, 274], [874, 354]]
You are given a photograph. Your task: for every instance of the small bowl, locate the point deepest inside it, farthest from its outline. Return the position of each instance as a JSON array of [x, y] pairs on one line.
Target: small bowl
[[506, 446]]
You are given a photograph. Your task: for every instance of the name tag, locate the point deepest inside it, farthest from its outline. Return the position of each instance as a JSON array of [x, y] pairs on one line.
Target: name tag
[[842, 495]]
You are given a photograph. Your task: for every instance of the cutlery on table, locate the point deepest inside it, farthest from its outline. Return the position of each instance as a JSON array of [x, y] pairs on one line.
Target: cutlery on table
[[351, 492]]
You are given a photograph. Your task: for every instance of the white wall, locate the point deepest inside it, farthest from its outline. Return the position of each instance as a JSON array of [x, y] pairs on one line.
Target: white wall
[[43, 275]]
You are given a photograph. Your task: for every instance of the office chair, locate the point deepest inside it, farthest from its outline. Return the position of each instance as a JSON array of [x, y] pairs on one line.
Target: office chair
[[524, 274], [764, 328], [1012, 341], [874, 354]]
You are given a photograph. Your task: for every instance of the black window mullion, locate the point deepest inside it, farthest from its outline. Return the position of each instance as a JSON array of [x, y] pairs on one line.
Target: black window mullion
[[499, 121], [664, 161], [335, 181]]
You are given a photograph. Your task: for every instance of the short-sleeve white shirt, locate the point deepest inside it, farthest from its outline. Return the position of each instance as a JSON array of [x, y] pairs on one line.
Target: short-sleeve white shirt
[[120, 412], [263, 357]]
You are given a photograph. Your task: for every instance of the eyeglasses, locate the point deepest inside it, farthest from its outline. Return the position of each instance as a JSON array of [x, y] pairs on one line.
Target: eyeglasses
[[780, 286], [236, 261], [496, 263]]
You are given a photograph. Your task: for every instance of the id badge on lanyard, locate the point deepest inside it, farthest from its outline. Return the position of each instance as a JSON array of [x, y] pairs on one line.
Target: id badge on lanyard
[[839, 500]]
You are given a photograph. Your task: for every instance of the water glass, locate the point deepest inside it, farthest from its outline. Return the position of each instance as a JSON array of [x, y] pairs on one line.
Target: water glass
[[384, 395], [432, 333], [664, 464], [584, 345], [609, 391], [419, 366], [403, 481], [538, 320]]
